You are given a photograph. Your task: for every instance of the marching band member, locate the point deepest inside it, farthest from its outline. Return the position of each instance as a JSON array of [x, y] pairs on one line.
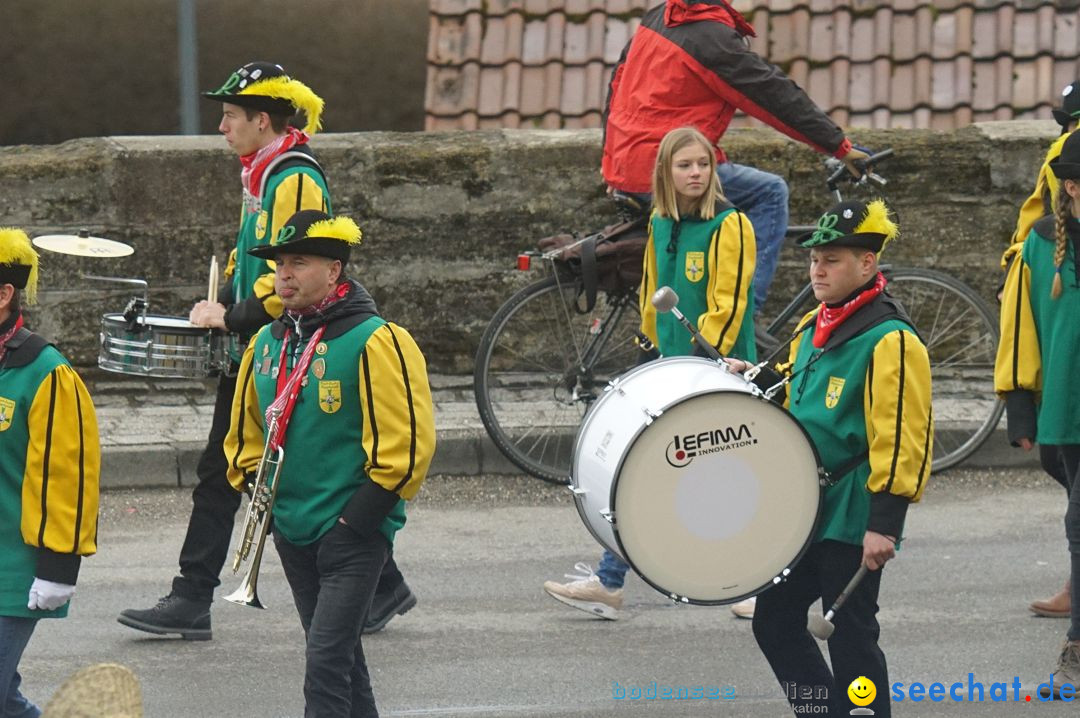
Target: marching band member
[[1043, 201], [703, 248], [1035, 365], [49, 463], [360, 437], [860, 386], [279, 175]]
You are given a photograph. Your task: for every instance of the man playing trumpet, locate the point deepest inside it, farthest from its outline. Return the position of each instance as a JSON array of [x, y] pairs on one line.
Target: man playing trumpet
[[358, 438]]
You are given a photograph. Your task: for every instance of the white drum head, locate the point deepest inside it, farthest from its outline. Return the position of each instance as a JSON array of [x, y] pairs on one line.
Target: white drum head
[[717, 497]]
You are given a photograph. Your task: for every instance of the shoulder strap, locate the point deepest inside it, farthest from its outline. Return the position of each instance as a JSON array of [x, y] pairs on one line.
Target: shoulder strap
[[24, 348], [288, 160], [883, 308]]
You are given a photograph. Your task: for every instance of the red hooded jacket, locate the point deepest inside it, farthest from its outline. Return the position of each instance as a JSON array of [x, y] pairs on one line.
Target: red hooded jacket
[[688, 64]]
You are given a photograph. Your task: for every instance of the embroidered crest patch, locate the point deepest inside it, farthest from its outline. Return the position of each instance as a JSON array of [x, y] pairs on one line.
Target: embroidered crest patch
[[832, 394], [7, 411], [260, 224], [695, 266], [329, 396]]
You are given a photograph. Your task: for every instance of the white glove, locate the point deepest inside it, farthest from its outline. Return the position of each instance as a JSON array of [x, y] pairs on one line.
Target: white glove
[[49, 595]]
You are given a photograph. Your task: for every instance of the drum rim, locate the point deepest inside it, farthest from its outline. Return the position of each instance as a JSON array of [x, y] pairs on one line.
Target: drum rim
[[621, 550], [116, 319]]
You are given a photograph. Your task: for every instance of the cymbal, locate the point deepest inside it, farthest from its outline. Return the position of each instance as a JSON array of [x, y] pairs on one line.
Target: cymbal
[[82, 245]]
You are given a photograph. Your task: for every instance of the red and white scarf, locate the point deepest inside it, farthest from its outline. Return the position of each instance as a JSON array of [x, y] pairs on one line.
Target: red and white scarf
[[6, 336], [255, 164], [829, 318]]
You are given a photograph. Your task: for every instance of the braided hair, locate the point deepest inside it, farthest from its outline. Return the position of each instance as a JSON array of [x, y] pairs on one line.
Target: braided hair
[[1062, 214]]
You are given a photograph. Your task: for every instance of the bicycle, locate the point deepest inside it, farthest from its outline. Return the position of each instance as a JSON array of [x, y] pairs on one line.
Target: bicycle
[[542, 361]]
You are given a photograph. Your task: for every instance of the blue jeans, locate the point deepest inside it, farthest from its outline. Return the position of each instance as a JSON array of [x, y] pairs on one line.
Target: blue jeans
[[14, 635], [764, 198], [612, 570], [333, 581]]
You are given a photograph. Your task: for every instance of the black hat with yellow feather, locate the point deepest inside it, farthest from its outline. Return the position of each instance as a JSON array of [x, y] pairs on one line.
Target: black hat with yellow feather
[[315, 233], [853, 223], [266, 87], [18, 262]]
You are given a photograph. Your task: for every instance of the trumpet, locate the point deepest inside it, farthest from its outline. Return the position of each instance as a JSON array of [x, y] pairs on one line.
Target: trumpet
[[257, 519]]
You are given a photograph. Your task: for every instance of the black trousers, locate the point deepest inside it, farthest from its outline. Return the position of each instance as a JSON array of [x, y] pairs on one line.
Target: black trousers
[[781, 632], [1068, 463], [333, 581], [213, 511]]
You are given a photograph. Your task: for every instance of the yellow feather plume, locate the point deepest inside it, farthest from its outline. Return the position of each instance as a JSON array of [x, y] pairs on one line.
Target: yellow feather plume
[[15, 248], [877, 220], [342, 228], [300, 95]]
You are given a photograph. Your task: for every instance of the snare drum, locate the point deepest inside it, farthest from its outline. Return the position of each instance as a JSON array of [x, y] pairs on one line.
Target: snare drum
[[160, 346], [710, 492]]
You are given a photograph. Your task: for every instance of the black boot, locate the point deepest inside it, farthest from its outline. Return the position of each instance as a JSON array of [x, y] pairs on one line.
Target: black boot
[[388, 604], [172, 614]]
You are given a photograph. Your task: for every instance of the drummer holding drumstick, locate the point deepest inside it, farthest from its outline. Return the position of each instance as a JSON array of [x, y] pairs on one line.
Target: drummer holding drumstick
[[860, 385], [704, 248]]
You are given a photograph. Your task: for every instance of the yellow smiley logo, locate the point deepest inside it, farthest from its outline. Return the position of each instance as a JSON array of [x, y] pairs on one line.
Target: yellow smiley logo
[[862, 691]]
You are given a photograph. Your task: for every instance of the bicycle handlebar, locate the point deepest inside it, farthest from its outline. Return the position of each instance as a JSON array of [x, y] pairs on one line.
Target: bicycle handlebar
[[840, 170]]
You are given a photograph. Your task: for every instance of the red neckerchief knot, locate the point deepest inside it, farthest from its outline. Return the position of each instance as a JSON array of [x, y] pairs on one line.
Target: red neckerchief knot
[[829, 318], [6, 336], [255, 164]]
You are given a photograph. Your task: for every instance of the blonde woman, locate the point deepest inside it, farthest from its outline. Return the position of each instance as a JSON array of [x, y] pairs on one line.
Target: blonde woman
[[703, 248], [1036, 363]]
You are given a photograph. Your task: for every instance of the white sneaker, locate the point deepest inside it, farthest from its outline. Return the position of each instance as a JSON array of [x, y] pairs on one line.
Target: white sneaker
[[586, 593], [744, 609]]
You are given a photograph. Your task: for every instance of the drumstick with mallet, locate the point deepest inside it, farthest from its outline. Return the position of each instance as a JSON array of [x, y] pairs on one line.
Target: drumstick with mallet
[[822, 628], [665, 299]]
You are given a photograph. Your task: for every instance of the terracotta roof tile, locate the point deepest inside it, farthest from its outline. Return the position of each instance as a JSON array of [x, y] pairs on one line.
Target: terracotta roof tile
[[914, 63]]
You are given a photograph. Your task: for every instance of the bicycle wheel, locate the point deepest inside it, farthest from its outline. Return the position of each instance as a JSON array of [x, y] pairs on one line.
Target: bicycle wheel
[[541, 364], [961, 336]]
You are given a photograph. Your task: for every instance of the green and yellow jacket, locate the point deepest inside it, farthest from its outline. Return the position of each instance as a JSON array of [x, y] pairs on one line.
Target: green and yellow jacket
[[710, 265], [362, 433], [865, 400], [1041, 202], [49, 463], [293, 182], [1035, 368]]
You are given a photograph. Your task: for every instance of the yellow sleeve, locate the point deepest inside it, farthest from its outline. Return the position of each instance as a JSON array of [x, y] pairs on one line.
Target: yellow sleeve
[[899, 421], [784, 368], [230, 264], [648, 288], [731, 258], [1018, 365], [296, 192], [395, 401], [245, 441], [63, 461]]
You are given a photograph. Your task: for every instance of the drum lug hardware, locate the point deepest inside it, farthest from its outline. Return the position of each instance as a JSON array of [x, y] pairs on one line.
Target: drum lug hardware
[[677, 599], [608, 516], [651, 415], [577, 490]]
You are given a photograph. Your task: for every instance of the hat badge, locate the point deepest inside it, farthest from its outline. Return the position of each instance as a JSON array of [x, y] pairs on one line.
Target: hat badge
[[848, 214], [1067, 91]]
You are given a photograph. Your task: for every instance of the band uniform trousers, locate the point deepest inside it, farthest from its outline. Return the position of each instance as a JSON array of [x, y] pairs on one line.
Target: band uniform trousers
[[780, 627], [333, 582], [213, 512]]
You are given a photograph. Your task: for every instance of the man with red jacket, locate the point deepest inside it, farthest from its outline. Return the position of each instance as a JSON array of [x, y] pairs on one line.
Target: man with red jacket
[[689, 63]]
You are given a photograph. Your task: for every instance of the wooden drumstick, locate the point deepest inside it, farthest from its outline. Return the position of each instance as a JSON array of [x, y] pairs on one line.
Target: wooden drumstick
[[211, 293]]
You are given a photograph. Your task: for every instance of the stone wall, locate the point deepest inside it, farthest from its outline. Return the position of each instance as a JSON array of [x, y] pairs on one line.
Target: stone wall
[[445, 214]]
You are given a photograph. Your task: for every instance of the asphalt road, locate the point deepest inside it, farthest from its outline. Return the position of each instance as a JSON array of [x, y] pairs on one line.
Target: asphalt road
[[485, 639]]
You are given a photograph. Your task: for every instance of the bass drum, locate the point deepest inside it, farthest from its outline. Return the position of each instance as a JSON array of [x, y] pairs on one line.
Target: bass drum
[[710, 492]]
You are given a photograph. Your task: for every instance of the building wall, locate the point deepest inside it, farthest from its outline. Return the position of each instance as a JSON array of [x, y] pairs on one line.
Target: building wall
[[445, 214]]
